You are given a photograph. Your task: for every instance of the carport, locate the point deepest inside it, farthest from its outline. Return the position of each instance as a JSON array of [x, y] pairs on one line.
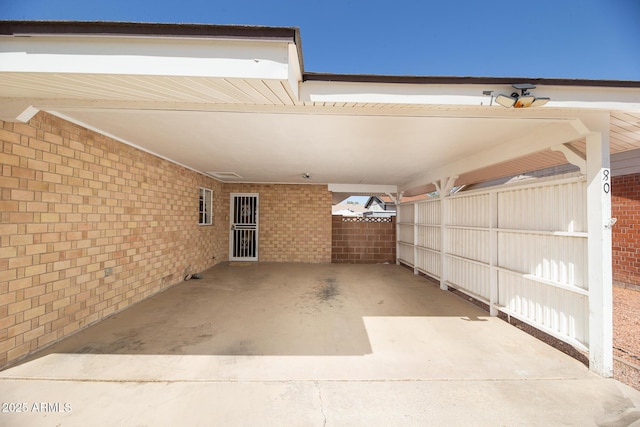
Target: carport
[[235, 106]]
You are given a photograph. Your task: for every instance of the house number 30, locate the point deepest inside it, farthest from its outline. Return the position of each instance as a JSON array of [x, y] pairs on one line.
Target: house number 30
[[605, 178]]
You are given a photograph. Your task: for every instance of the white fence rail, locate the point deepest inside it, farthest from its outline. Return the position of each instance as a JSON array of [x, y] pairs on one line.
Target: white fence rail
[[521, 249]]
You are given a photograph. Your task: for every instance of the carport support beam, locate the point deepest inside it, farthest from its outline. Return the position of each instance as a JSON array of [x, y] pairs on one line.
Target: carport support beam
[[599, 254], [444, 187]]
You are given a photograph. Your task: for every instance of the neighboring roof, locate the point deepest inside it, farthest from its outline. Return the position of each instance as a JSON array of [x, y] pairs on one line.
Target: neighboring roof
[[387, 200], [225, 100], [348, 209]]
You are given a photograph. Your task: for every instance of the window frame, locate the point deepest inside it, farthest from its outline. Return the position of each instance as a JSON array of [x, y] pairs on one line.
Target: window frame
[[205, 206]]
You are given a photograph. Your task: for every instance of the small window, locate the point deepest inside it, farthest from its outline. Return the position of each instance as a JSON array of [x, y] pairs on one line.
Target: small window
[[205, 217]]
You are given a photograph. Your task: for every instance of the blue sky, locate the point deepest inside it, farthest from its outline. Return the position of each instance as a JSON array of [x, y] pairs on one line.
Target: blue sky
[[582, 39]]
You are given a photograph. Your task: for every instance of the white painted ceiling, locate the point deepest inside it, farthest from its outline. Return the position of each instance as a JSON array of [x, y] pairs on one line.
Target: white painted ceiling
[[333, 148]]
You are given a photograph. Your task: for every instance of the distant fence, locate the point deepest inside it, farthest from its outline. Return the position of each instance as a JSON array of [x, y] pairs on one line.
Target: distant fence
[[363, 240]]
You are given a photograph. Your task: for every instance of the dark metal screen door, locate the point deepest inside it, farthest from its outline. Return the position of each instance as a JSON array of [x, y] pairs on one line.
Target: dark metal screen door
[[243, 241]]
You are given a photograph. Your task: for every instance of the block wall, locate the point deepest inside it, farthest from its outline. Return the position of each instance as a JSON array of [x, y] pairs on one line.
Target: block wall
[[358, 241], [625, 206], [295, 221], [89, 226]]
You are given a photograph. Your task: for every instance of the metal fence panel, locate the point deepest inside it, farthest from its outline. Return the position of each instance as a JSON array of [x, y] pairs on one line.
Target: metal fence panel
[[468, 243], [428, 212], [428, 236], [520, 248], [469, 276], [428, 262], [555, 207], [560, 312], [468, 210]]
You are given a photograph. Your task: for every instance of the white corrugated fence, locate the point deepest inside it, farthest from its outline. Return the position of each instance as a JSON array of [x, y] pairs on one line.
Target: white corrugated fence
[[522, 249]]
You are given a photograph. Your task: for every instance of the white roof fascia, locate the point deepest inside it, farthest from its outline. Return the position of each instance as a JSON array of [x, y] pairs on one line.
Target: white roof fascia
[[578, 97], [122, 55]]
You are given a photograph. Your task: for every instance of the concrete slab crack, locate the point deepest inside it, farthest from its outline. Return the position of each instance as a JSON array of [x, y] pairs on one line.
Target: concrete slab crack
[[324, 416]]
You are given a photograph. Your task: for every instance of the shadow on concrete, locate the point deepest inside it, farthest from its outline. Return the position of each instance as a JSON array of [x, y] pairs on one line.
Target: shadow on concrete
[[268, 309]]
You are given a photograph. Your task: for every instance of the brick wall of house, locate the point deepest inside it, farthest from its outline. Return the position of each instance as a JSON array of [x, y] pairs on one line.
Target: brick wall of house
[[625, 206], [355, 241], [295, 221], [75, 203]]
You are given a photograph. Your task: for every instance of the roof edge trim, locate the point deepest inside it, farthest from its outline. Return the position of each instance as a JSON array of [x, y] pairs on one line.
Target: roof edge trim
[[444, 80], [106, 28]]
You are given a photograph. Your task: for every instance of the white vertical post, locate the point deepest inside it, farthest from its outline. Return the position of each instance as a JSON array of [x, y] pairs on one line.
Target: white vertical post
[[599, 254], [444, 187], [444, 211], [397, 235], [398, 209], [415, 239], [493, 253]]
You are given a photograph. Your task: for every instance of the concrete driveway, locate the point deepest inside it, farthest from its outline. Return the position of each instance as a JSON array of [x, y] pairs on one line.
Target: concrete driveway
[[308, 345]]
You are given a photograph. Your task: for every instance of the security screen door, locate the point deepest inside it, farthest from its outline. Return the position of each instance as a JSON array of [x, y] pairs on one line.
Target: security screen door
[[243, 240]]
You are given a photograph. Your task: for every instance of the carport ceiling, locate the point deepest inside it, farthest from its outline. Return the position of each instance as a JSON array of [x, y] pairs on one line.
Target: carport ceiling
[[333, 148]]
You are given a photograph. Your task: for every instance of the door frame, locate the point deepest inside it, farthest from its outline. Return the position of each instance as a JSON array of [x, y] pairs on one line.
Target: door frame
[[232, 197]]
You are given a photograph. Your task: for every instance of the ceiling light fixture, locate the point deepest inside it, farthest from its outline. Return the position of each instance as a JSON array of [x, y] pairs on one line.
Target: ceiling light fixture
[[524, 99]]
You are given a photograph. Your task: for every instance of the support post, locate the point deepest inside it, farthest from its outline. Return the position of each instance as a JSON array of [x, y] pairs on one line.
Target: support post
[[397, 201], [415, 239], [444, 187], [444, 275], [397, 237], [493, 253], [599, 255]]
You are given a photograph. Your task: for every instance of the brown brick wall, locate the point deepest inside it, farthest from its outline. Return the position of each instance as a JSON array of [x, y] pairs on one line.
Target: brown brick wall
[[625, 206], [363, 242], [295, 221], [74, 203]]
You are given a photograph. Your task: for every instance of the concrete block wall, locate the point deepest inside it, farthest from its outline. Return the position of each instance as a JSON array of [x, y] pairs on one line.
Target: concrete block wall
[[89, 226], [355, 241], [295, 221], [625, 206]]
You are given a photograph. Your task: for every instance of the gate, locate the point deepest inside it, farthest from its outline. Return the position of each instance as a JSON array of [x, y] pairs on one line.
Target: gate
[[243, 239]]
